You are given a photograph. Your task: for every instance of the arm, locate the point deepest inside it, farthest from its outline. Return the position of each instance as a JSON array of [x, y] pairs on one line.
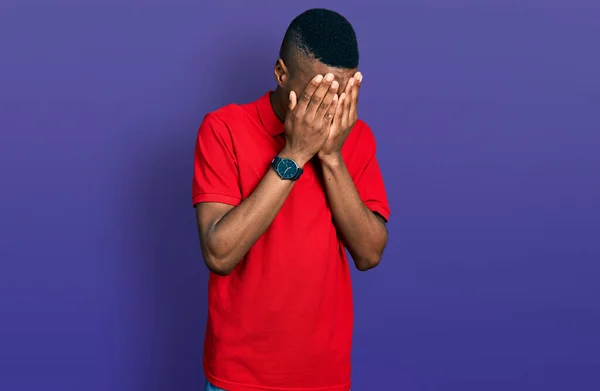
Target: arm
[[363, 232], [227, 232]]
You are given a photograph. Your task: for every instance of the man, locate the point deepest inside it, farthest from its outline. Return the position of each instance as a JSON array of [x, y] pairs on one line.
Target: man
[[282, 186]]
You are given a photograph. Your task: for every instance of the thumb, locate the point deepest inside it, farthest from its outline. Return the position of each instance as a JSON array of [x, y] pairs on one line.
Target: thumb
[[293, 100]]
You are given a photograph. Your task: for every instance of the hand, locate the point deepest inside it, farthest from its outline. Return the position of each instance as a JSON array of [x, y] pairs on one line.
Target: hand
[[345, 117], [308, 120]]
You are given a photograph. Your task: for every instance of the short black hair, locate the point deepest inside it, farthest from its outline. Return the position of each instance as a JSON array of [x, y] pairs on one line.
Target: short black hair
[[323, 35]]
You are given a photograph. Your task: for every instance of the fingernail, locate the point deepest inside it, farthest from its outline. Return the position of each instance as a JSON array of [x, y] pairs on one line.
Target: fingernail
[[319, 78], [351, 82], [329, 77], [335, 97], [343, 96], [335, 85]]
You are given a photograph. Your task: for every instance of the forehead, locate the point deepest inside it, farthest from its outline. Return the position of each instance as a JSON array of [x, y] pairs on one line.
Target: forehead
[[310, 68]]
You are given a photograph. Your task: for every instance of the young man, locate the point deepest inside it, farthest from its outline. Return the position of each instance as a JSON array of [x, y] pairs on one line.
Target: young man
[[282, 186]]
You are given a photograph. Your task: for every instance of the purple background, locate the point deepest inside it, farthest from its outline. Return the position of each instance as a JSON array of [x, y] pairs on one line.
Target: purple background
[[487, 117]]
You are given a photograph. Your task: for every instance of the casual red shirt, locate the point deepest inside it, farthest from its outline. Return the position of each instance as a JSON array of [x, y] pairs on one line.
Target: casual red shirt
[[282, 320]]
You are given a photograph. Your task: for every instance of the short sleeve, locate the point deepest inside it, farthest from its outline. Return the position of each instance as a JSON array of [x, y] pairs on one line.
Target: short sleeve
[[370, 183], [216, 176]]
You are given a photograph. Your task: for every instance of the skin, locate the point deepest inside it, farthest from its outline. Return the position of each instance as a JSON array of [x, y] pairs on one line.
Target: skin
[[319, 106]]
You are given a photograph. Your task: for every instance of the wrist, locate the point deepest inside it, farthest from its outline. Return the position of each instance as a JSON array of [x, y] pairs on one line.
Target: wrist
[[297, 157], [331, 159]]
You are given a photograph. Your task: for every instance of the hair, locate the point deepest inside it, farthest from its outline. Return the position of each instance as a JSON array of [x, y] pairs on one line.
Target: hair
[[323, 35]]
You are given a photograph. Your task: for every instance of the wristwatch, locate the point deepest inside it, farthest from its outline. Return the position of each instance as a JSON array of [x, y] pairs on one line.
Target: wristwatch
[[286, 168]]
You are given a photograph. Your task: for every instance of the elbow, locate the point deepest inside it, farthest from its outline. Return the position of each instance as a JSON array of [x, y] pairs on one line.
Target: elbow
[[217, 265], [367, 262], [217, 255], [371, 255], [218, 262]]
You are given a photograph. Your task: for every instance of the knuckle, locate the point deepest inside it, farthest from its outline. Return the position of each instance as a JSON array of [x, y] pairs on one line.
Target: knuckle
[[305, 96]]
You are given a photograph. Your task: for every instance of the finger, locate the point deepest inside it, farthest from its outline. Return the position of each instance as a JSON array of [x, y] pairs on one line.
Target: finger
[[339, 111], [327, 100], [319, 95], [350, 98], [293, 101], [358, 84], [358, 77], [308, 92], [292, 104], [352, 113], [330, 114], [349, 86], [348, 93]]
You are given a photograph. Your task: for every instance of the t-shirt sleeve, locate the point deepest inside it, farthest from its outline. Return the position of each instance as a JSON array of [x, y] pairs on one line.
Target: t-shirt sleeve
[[370, 183], [216, 176]]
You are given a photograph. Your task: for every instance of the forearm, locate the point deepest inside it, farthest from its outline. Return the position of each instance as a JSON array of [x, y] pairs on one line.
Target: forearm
[[363, 233], [232, 236]]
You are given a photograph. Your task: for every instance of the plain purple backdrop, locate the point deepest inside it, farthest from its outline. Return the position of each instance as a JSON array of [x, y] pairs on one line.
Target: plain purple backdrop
[[487, 116]]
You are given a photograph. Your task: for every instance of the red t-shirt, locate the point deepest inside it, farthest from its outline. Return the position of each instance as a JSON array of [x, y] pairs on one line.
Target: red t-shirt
[[282, 320]]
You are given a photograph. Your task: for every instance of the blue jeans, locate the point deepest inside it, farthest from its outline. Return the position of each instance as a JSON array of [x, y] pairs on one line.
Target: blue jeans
[[210, 387]]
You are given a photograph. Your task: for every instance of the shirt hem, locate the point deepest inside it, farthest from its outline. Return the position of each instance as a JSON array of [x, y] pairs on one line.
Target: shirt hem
[[378, 208], [220, 198], [232, 386]]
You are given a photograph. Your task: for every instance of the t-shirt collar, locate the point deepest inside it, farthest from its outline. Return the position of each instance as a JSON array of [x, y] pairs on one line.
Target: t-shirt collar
[[267, 115]]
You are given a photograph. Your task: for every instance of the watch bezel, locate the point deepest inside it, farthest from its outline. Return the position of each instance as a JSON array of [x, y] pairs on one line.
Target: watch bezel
[[276, 164]]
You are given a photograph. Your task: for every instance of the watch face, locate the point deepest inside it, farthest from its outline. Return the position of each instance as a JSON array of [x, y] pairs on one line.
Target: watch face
[[287, 168]]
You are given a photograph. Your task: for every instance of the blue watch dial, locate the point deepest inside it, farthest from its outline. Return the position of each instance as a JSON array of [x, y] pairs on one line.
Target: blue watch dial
[[287, 169]]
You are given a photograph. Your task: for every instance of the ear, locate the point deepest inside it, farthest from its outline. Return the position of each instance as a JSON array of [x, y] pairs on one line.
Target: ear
[[281, 73]]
